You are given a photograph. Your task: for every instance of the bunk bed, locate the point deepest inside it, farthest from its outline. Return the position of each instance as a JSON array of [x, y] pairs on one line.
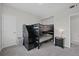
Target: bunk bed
[[36, 34]]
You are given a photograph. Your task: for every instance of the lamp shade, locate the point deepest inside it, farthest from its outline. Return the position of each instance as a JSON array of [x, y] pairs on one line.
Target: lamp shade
[[61, 30]]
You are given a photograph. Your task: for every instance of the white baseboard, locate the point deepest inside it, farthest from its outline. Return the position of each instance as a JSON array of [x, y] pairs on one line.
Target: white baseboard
[[9, 44], [75, 42]]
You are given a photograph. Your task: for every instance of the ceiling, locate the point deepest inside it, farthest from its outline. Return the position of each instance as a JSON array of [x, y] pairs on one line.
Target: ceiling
[[42, 10]]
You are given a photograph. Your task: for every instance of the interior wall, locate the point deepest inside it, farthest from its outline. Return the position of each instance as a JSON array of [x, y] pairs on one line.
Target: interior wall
[[0, 26], [74, 29], [47, 21], [61, 21], [21, 18]]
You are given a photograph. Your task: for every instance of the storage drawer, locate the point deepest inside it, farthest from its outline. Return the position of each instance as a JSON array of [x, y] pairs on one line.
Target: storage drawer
[[59, 42]]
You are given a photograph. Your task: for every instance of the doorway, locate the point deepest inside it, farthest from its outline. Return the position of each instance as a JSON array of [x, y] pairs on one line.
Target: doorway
[[9, 31], [74, 30]]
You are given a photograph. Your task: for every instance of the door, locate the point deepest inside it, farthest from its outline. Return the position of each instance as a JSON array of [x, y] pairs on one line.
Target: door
[[9, 31], [75, 29]]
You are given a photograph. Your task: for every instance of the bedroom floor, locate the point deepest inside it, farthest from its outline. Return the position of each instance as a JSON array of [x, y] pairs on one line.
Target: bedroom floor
[[46, 49]]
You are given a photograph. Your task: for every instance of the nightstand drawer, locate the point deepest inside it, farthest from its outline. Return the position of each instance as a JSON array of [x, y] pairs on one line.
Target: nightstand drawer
[[59, 42]]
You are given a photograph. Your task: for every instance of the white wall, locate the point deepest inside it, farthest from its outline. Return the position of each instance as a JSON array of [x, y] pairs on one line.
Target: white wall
[[47, 21], [61, 21], [0, 26], [21, 18], [74, 29]]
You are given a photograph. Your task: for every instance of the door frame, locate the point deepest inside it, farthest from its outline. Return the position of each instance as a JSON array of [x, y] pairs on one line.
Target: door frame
[[70, 25]]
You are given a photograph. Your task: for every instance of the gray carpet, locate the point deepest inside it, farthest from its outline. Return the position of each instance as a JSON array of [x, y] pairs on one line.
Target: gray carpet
[[46, 49]]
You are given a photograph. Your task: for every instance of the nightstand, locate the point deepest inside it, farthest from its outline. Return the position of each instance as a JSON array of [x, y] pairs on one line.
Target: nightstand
[[59, 42]]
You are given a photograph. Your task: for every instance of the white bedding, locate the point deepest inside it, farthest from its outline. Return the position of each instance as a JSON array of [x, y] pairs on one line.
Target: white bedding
[[45, 37]]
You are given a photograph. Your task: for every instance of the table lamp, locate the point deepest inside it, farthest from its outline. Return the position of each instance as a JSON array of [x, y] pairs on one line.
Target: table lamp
[[61, 32]]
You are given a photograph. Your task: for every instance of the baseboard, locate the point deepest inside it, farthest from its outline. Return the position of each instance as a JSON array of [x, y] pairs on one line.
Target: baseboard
[[9, 44], [75, 42]]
